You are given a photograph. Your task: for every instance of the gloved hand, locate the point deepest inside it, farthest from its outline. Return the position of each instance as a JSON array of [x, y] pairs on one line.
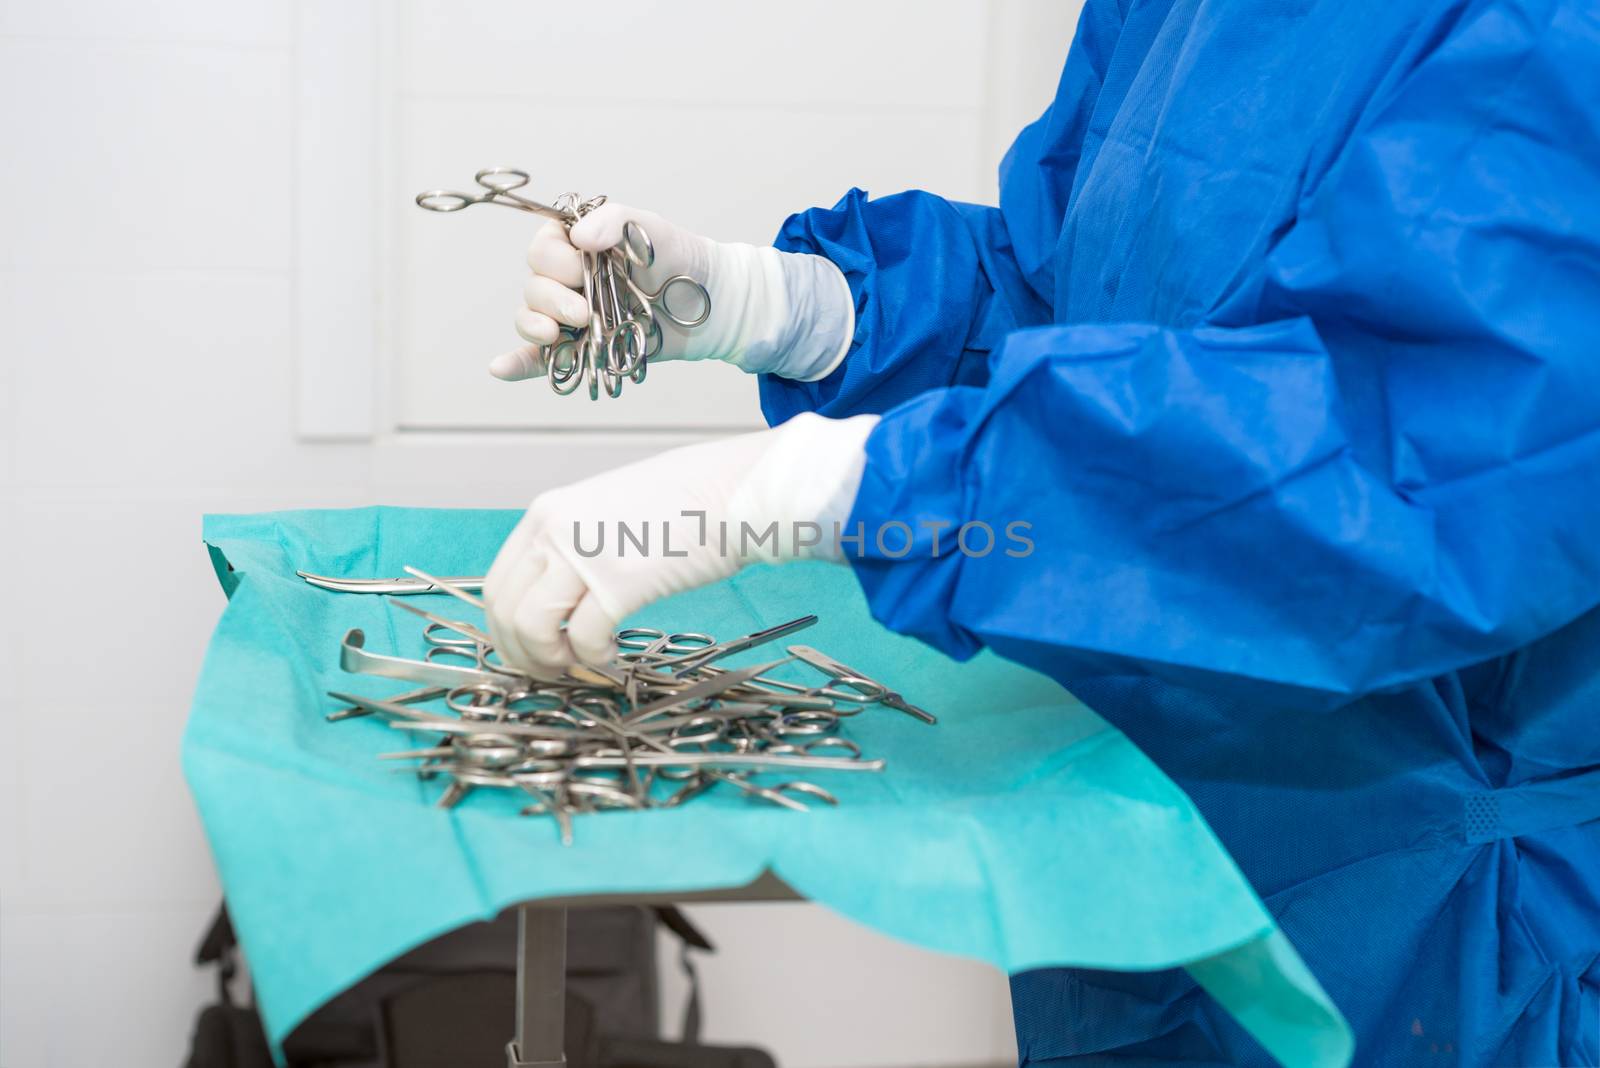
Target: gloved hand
[[786, 313], [548, 573]]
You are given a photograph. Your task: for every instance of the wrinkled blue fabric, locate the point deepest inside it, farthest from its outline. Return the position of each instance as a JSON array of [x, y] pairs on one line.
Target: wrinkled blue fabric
[[1283, 339]]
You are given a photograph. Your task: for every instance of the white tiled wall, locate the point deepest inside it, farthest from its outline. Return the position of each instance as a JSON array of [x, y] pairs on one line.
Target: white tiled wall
[[146, 377]]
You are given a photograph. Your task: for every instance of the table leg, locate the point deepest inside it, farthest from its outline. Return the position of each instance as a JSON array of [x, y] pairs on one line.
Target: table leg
[[541, 988]]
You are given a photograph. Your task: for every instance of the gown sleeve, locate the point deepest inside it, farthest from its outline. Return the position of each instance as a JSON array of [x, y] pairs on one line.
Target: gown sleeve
[[938, 284], [1390, 471]]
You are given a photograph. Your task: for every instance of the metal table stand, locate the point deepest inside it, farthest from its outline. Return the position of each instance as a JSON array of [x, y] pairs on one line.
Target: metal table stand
[[539, 1041]]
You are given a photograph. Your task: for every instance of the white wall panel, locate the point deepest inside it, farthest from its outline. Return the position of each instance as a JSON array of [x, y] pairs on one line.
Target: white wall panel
[[1026, 49], [133, 378], [835, 54], [131, 156], [731, 172], [11, 823], [96, 618], [11, 302], [84, 987], [87, 846], [12, 829], [503, 470], [819, 990], [338, 141], [249, 23], [30, 970]]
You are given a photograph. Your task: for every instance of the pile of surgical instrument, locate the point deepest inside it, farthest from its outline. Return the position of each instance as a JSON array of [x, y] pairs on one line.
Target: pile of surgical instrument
[[661, 724], [624, 329]]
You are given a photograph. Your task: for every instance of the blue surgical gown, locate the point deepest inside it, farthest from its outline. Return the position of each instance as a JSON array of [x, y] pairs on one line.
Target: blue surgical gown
[[1285, 339]]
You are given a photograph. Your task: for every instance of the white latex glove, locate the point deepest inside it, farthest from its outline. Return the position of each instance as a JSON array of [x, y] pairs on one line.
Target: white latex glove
[[785, 313], [550, 604]]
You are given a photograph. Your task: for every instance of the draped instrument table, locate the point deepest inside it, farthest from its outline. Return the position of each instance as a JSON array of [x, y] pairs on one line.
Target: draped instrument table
[[1022, 830]]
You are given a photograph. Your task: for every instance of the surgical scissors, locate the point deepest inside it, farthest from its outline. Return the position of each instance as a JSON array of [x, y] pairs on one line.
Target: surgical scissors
[[682, 653], [870, 688], [401, 586], [659, 726]]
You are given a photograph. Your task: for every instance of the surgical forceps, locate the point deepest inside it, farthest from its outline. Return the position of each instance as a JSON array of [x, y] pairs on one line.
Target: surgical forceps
[[396, 587], [496, 185], [681, 653], [657, 728], [624, 329], [870, 688]]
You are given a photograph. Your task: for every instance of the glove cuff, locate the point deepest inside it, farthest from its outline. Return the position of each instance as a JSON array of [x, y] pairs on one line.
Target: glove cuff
[[784, 313], [806, 482], [819, 322]]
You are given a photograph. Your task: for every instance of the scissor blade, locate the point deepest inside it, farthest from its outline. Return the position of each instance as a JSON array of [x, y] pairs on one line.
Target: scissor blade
[[863, 684], [400, 586], [466, 630], [724, 761], [428, 724], [502, 196], [739, 645], [833, 669], [900, 704], [598, 676], [702, 690], [375, 704], [426, 693], [444, 585]]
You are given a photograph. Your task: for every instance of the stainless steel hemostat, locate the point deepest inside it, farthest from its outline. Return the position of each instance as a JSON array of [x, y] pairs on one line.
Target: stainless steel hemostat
[[659, 726], [624, 329]]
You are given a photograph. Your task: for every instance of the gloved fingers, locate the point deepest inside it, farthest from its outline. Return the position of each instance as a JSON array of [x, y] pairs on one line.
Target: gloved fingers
[[537, 327], [552, 255], [528, 361], [602, 228], [591, 632], [538, 618], [551, 298], [502, 595]]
